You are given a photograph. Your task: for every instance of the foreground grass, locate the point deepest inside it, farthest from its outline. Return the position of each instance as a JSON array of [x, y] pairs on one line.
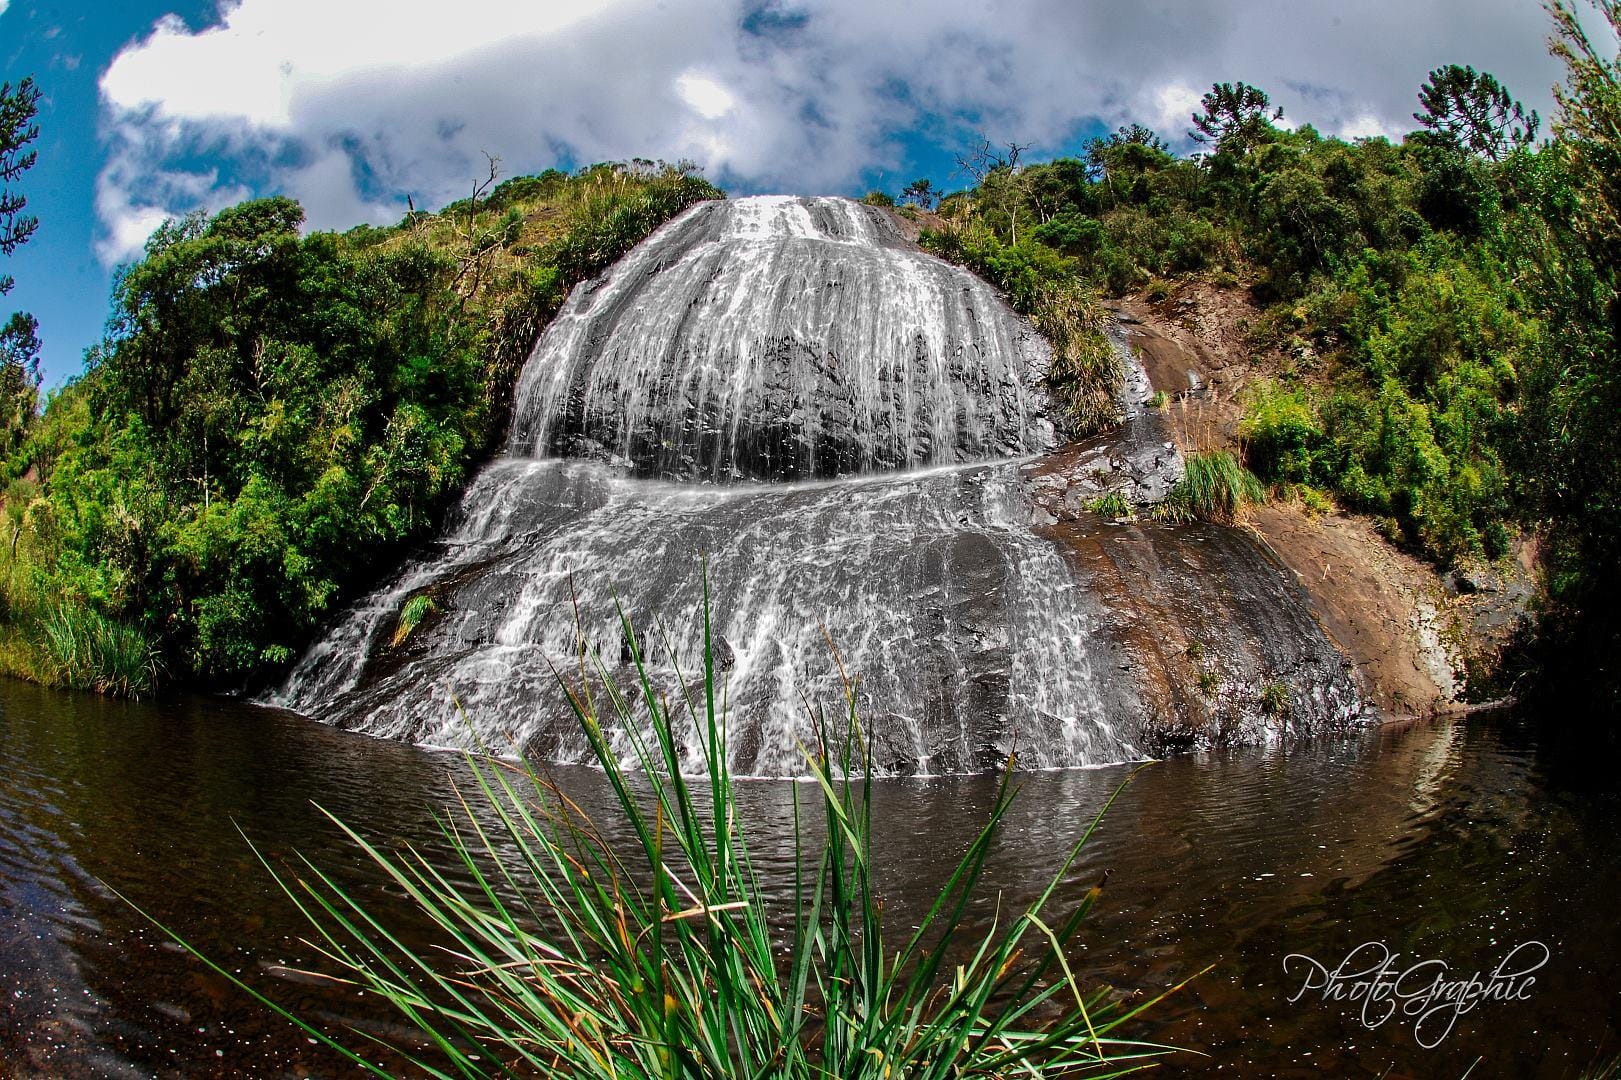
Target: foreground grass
[[569, 956]]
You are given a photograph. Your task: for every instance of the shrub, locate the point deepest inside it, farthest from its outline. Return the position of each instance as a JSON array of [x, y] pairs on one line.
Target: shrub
[[1281, 433]]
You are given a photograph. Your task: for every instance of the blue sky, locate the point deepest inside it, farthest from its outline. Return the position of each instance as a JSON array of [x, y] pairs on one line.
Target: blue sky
[[59, 277], [351, 106]]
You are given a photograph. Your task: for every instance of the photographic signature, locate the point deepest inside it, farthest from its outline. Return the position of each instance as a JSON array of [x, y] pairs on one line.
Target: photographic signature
[[1425, 993]]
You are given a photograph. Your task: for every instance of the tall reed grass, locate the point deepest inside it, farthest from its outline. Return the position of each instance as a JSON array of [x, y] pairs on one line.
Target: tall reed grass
[[570, 956], [1215, 487], [53, 637], [85, 650]]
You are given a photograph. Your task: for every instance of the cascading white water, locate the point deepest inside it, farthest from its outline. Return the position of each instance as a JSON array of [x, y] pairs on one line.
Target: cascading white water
[[803, 343], [779, 338], [968, 633]]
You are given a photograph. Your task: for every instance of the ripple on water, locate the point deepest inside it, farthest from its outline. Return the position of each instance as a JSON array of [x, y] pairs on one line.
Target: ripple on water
[[1446, 840]]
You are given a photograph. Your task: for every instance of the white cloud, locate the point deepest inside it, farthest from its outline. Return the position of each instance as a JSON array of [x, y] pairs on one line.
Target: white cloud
[[1174, 106], [3, 5], [326, 187], [707, 97], [312, 97], [1371, 127]]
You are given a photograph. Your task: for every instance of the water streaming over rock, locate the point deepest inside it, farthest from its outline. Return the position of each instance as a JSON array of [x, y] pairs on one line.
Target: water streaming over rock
[[779, 338], [868, 407]]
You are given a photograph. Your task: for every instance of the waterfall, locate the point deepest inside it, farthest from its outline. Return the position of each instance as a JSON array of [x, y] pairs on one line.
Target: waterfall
[[840, 427], [779, 338]]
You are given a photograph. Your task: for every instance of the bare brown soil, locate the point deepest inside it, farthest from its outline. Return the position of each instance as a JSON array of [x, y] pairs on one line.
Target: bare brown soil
[[1384, 609], [1391, 614]]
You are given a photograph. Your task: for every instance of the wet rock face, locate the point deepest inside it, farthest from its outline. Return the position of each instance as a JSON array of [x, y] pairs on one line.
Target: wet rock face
[[985, 613], [969, 637], [778, 339], [1137, 460], [1217, 640]]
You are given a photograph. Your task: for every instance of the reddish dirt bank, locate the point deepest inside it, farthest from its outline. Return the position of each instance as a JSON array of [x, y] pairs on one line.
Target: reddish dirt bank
[[1409, 630]]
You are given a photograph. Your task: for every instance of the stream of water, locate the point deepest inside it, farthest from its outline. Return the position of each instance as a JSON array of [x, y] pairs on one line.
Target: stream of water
[[841, 431]]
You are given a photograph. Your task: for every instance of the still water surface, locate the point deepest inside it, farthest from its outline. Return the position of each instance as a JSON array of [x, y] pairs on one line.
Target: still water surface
[[1451, 840]]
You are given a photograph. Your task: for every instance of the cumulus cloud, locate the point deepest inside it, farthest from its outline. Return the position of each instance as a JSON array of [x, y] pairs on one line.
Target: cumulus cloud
[[353, 106]]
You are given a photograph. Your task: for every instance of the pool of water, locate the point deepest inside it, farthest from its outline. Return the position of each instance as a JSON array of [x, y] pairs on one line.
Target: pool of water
[[1452, 841]]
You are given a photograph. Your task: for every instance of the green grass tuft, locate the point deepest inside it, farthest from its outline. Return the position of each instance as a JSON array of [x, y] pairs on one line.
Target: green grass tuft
[[85, 650], [1113, 505], [416, 609], [1215, 487]]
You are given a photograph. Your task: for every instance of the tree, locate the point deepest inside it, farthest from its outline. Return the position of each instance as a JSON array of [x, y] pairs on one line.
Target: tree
[[19, 338], [1474, 110], [1137, 135], [1573, 394], [17, 129], [19, 379], [920, 192], [1237, 117], [983, 160]]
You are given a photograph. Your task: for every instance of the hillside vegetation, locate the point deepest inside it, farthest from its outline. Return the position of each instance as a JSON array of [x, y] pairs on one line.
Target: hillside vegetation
[[274, 416], [1442, 309]]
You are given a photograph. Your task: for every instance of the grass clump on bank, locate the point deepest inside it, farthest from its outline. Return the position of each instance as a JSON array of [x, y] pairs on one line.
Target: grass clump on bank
[[565, 955], [1214, 487], [54, 636]]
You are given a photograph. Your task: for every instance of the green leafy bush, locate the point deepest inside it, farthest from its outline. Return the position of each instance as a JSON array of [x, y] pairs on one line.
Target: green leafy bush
[[1282, 433]]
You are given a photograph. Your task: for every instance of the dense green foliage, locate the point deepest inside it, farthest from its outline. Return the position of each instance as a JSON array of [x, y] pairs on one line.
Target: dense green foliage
[[273, 415], [1570, 449], [1387, 274]]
